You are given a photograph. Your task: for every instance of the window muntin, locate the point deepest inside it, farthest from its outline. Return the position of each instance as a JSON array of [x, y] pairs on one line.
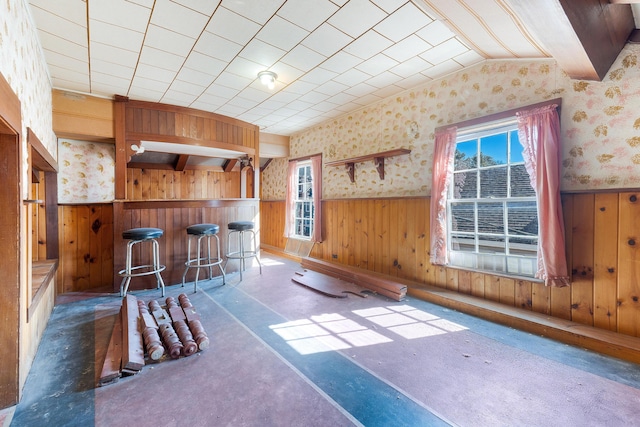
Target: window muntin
[[492, 209], [304, 210]]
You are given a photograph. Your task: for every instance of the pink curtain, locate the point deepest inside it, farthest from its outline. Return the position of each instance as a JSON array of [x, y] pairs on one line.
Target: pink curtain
[[292, 187], [445, 148], [539, 133], [316, 174]]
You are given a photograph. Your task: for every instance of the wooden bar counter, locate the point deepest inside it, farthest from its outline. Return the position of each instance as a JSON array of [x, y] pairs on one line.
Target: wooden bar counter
[[174, 216]]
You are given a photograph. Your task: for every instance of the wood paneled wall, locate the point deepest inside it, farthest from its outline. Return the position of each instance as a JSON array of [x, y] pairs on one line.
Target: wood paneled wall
[[174, 218], [158, 184], [85, 233], [391, 236]]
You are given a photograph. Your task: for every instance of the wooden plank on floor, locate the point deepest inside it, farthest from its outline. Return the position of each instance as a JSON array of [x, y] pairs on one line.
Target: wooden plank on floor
[[113, 358], [327, 285], [132, 347]]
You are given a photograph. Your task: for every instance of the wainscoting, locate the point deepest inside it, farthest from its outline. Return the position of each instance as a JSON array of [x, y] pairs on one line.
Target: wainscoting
[[391, 236]]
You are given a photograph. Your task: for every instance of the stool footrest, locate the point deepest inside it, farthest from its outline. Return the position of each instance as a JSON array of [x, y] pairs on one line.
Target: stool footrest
[[195, 263], [152, 270]]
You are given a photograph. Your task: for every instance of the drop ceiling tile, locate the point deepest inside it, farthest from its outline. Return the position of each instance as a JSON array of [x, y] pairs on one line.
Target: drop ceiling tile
[[325, 106], [173, 97], [352, 77], [217, 47], [340, 62], [49, 26], [468, 58], [389, 5], [444, 51], [367, 99], [206, 7], [327, 40], [403, 22], [70, 75], [442, 69], [388, 90], [303, 58], [286, 73], [407, 48], [122, 13], [205, 64], [300, 87], [367, 45], [65, 47], [360, 89], [318, 76], [313, 97], [112, 35], [148, 84], [244, 103], [98, 65], [377, 64], [435, 33], [286, 97], [116, 55], [307, 14], [187, 87], [410, 67], [356, 17], [230, 110], [150, 72], [218, 90], [331, 88], [386, 78], [245, 68], [106, 89], [211, 99], [281, 33], [299, 105], [262, 53], [232, 26], [71, 84], [110, 80], [169, 41], [341, 98], [233, 81], [196, 76], [255, 94], [74, 12], [412, 81], [177, 18], [161, 59], [66, 63], [258, 11]]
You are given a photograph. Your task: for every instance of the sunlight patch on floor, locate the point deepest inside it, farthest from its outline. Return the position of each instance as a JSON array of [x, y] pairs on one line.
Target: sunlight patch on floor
[[333, 331]]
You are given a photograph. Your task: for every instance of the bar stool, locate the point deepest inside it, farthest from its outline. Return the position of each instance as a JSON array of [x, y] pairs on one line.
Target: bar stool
[[135, 236], [199, 232], [240, 228]]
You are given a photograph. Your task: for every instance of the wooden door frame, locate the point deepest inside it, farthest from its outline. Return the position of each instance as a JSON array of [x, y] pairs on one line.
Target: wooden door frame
[[10, 245]]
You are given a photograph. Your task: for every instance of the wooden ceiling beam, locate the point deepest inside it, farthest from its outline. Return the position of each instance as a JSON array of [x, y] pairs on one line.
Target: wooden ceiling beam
[[584, 36], [181, 163]]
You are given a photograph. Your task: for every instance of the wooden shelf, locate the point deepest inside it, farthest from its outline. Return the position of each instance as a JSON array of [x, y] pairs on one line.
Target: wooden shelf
[[378, 159]]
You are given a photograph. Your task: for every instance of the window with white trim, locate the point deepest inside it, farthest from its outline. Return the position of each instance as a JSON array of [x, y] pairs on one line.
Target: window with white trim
[[492, 208], [304, 210]]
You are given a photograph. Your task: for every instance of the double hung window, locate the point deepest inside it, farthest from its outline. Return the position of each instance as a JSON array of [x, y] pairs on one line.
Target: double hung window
[[491, 206], [304, 209]]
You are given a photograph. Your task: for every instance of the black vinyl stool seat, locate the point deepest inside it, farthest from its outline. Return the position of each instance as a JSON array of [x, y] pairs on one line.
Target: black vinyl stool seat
[[199, 232], [242, 252], [135, 236]]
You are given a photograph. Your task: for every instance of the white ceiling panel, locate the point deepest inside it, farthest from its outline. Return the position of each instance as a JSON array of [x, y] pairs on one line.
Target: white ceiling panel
[[330, 56]]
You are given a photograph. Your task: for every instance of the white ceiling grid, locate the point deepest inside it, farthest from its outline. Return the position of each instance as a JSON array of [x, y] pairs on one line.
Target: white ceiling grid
[[331, 56]]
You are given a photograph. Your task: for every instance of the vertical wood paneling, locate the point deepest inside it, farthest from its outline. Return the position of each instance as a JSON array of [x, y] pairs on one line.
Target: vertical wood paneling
[[582, 260], [629, 265], [605, 272]]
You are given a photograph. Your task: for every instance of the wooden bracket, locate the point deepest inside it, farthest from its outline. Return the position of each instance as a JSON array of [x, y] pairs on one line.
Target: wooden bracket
[[377, 158], [351, 170]]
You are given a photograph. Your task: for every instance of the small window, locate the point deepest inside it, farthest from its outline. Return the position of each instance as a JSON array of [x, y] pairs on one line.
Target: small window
[[304, 210], [492, 208]]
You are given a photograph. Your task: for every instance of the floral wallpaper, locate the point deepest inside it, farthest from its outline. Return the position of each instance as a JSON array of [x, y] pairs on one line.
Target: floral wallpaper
[[23, 66], [600, 127], [87, 172]]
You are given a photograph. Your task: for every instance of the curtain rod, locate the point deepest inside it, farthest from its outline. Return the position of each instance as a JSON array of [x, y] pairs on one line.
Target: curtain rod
[[501, 115], [300, 159]]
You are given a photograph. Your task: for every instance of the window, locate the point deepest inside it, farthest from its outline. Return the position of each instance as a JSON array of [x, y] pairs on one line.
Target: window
[[304, 212], [491, 206]]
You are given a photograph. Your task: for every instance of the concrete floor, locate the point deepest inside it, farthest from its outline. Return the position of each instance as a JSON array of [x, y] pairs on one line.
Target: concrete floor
[[284, 355]]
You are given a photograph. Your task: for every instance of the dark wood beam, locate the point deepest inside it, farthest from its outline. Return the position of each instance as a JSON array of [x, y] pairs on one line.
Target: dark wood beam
[[181, 163], [265, 165], [584, 36], [229, 165]]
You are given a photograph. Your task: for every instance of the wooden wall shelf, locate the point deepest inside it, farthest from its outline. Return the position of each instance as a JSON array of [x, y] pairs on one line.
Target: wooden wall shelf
[[378, 159]]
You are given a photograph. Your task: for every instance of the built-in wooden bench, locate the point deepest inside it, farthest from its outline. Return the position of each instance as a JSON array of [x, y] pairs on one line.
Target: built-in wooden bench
[[600, 340], [42, 274]]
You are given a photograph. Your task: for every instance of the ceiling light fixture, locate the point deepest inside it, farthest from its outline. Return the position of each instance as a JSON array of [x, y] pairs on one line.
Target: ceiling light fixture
[[268, 78]]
